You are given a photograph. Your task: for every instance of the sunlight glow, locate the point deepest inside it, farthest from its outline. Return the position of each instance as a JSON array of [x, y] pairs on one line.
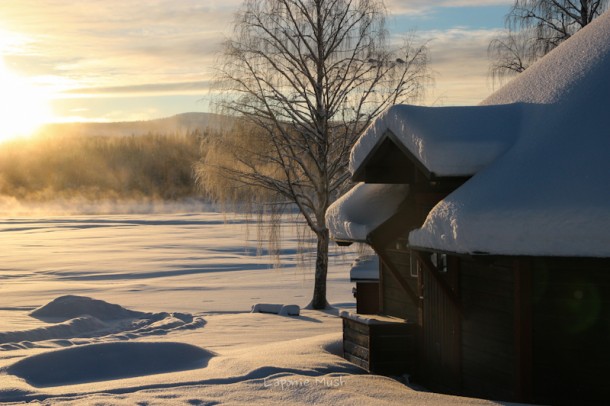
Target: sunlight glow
[[23, 106]]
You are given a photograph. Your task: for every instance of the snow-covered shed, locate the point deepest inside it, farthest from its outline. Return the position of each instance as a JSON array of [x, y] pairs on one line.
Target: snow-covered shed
[[365, 274], [498, 246]]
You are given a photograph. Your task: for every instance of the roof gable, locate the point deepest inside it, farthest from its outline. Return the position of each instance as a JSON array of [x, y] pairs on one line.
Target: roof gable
[[390, 162], [439, 141]]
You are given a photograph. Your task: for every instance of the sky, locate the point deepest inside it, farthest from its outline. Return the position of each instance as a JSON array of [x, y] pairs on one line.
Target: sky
[[124, 60]]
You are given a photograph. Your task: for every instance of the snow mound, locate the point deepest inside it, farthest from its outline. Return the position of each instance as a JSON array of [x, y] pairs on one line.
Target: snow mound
[[68, 307], [282, 310], [93, 320], [100, 362]]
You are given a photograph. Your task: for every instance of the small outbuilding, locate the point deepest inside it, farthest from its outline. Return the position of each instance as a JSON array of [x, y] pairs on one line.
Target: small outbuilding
[[365, 274], [492, 224]]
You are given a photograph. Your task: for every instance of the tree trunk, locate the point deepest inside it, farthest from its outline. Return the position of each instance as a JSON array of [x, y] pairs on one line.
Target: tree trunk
[[319, 291]]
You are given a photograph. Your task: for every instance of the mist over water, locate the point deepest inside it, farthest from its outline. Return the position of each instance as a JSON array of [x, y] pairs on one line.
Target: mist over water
[[11, 207]]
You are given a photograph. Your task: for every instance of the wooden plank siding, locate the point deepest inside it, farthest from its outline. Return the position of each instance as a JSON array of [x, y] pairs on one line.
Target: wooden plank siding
[[390, 241], [571, 335], [441, 352], [394, 301], [382, 348], [487, 331]]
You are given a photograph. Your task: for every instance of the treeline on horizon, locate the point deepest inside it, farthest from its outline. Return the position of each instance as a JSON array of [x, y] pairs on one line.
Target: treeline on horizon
[[148, 166]]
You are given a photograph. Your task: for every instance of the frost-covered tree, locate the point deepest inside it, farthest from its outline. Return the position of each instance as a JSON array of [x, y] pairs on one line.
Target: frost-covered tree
[[304, 78], [535, 27]]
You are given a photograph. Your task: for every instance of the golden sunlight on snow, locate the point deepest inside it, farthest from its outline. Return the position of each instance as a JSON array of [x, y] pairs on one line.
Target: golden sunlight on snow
[[23, 106]]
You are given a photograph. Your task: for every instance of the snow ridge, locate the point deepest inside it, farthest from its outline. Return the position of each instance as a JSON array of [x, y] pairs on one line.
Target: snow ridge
[[84, 320]]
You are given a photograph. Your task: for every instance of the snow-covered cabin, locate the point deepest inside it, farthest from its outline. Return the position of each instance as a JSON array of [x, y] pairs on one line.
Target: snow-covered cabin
[[493, 226]]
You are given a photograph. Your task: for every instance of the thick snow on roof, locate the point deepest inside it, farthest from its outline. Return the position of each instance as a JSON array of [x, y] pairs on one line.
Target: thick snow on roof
[[563, 73], [550, 193], [448, 141], [365, 268], [364, 208]]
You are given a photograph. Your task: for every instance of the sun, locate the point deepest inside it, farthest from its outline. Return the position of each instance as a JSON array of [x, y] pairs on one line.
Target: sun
[[24, 107]]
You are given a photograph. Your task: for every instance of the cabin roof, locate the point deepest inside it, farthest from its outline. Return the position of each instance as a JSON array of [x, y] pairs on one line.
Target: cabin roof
[[362, 209], [549, 195], [442, 141], [542, 187]]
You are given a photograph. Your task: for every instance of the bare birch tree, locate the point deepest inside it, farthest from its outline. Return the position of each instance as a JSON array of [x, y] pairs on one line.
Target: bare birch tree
[[304, 77], [534, 28]]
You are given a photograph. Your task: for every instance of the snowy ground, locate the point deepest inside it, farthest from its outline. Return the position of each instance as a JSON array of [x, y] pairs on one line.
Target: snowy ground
[[154, 309]]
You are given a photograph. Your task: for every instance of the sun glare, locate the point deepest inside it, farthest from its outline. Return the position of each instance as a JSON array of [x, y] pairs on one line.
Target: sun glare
[[24, 107]]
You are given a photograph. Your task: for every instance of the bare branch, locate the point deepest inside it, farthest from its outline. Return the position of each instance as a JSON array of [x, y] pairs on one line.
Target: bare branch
[[535, 27]]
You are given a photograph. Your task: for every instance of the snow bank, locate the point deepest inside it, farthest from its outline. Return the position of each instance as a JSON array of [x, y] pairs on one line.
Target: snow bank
[[449, 141], [362, 209], [549, 194]]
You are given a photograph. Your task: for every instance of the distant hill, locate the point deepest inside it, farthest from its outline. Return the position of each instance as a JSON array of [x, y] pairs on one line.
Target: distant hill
[[178, 124]]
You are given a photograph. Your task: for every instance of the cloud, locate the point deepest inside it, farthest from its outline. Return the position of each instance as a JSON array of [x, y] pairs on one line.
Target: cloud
[[111, 43], [418, 7], [459, 59], [117, 47], [149, 88]]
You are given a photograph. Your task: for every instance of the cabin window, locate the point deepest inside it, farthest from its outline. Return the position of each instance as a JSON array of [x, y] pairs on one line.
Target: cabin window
[[414, 267]]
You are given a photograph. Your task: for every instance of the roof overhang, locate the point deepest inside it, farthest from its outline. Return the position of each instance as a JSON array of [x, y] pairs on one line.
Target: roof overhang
[[362, 209]]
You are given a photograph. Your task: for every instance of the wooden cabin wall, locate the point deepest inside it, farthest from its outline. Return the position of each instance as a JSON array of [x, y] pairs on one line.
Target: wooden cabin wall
[[532, 329], [571, 331], [440, 351], [488, 343], [394, 301], [391, 243]]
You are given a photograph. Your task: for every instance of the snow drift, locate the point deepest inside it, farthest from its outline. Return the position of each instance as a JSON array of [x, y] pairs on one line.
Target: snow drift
[[99, 362], [70, 306], [75, 320]]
